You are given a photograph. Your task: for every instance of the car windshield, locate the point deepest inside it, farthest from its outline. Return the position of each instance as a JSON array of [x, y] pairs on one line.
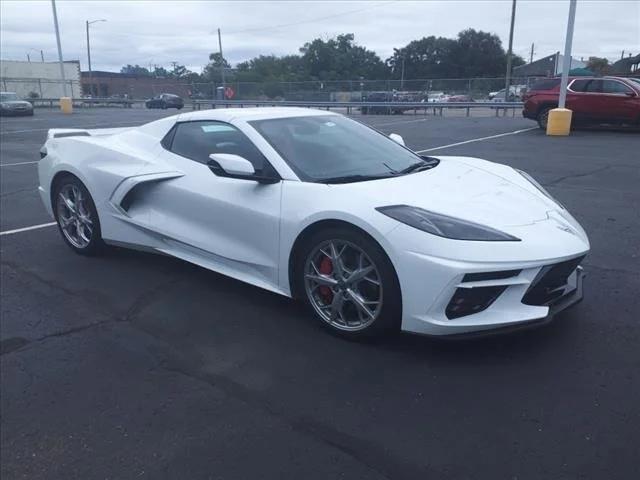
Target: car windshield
[[334, 148], [8, 97]]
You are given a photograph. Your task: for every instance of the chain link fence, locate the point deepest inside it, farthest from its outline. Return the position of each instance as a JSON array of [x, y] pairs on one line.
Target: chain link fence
[[141, 88], [34, 88]]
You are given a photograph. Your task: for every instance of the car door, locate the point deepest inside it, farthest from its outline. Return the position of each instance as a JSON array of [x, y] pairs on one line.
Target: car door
[[582, 100], [617, 101], [228, 224]]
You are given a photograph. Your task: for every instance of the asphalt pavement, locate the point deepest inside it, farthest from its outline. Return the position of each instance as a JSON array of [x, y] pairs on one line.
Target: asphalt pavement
[[133, 365]]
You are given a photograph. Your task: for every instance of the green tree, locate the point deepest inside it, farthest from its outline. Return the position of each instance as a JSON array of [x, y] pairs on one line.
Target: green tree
[[135, 70], [429, 57], [472, 54], [598, 65], [213, 71], [341, 59], [180, 71]]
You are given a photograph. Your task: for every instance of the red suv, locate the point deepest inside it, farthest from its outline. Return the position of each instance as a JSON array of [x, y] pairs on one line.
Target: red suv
[[592, 100]]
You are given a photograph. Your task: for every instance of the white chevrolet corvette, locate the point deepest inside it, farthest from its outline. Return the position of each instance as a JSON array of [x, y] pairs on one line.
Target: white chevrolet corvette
[[317, 206]]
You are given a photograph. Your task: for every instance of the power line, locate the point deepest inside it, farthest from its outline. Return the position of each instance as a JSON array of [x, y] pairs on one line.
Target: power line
[[313, 20]]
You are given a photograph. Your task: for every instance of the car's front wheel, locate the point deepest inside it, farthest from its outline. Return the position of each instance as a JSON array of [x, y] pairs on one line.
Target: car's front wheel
[[349, 283], [77, 217]]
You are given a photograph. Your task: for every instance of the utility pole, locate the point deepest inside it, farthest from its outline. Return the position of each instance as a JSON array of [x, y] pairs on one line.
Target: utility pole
[[221, 58], [566, 61], [402, 75], [622, 55], [507, 82], [55, 24], [531, 56], [89, 62], [89, 56], [28, 58], [42, 56]]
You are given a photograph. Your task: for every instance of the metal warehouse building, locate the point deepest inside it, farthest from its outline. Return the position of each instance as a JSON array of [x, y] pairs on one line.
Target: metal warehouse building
[[39, 79]]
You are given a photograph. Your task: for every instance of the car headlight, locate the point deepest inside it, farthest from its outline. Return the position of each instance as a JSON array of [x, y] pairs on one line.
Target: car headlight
[[539, 187], [443, 225]]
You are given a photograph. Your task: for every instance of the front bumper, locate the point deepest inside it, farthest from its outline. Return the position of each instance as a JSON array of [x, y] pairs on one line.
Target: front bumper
[[572, 297]]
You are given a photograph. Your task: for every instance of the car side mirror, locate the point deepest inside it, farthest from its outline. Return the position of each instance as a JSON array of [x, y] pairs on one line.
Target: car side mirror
[[235, 166], [397, 138]]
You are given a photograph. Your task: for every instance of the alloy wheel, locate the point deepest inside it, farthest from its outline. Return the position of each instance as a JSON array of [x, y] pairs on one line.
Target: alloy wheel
[[343, 285], [74, 216]]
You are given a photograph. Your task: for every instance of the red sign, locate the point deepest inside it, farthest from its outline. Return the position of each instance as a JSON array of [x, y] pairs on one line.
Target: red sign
[[229, 92]]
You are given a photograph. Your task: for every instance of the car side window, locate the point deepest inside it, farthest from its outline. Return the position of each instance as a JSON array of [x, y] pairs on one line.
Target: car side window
[[613, 86], [579, 85], [594, 86], [197, 140]]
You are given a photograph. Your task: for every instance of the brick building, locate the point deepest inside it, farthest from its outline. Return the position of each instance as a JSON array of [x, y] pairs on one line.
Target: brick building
[[108, 84]]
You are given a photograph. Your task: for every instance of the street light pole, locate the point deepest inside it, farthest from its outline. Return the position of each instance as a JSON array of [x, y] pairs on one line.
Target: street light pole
[[507, 82], [55, 24], [89, 55], [221, 58], [566, 61], [89, 61]]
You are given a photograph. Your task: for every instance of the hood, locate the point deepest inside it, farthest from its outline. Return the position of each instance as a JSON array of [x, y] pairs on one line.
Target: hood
[[462, 190]]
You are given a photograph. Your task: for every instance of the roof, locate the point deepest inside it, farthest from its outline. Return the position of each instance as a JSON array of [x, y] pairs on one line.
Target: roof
[[248, 114]]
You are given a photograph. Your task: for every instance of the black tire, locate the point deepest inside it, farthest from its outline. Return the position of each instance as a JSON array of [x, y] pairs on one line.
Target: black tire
[[543, 117], [389, 317], [179, 107], [96, 244]]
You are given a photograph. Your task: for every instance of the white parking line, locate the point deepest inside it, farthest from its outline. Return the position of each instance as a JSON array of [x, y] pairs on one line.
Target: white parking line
[[515, 132], [26, 229], [19, 163]]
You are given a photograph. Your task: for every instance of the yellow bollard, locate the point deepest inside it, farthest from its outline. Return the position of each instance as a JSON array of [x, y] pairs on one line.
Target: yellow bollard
[[66, 105], [559, 121]]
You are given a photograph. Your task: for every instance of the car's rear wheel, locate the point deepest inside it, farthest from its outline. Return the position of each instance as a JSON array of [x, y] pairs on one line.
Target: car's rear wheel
[[77, 216], [349, 283], [543, 117]]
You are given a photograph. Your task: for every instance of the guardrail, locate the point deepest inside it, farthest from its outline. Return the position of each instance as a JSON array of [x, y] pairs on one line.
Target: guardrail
[[87, 102], [364, 107]]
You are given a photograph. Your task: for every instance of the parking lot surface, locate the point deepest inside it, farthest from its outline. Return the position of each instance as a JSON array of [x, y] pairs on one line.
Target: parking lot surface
[[133, 365]]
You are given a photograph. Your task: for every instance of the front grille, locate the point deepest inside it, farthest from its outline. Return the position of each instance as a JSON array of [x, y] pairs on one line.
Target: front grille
[[550, 283], [467, 301]]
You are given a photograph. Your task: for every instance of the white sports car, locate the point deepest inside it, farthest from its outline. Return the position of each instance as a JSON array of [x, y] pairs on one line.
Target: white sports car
[[317, 206]]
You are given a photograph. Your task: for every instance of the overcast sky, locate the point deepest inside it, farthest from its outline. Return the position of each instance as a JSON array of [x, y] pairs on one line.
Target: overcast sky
[[158, 32]]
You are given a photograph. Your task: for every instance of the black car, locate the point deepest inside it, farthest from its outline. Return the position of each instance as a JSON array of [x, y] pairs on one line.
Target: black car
[[10, 104], [164, 101]]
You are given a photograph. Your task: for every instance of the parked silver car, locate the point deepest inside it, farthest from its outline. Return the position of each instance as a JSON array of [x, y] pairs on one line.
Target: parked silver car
[[10, 104]]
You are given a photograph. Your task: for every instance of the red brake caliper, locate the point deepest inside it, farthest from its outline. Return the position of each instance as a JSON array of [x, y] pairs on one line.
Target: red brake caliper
[[326, 268]]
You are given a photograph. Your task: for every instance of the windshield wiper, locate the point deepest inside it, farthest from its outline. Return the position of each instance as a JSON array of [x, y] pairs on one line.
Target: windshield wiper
[[425, 164], [352, 178]]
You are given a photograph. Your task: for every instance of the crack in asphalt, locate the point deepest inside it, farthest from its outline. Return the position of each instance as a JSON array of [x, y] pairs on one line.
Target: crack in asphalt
[[364, 452], [14, 344], [575, 175], [15, 192], [369, 454]]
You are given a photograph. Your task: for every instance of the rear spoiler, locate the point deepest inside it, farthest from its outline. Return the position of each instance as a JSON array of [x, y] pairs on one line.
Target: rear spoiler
[[82, 132]]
